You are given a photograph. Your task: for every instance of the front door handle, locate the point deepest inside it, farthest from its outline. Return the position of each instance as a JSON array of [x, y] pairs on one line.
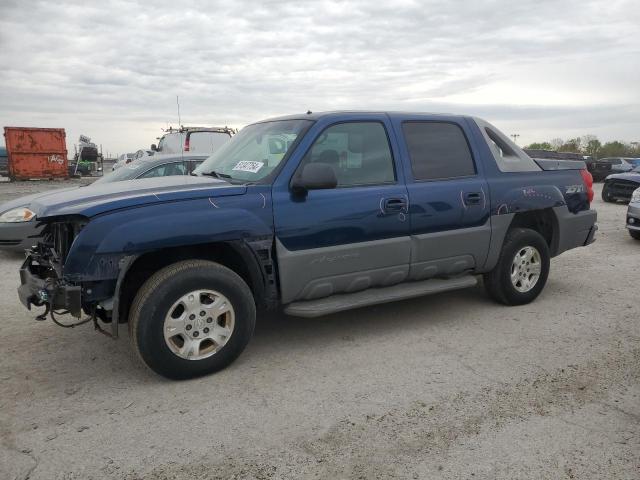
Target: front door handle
[[472, 198], [392, 205]]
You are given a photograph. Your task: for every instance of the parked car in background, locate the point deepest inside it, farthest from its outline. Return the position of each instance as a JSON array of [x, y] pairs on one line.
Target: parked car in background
[[633, 215], [599, 169], [620, 186], [193, 140], [4, 162], [18, 226], [158, 165], [317, 213], [619, 164]]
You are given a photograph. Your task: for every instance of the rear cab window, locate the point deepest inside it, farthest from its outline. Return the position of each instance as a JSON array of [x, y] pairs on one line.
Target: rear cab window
[[507, 155], [437, 150]]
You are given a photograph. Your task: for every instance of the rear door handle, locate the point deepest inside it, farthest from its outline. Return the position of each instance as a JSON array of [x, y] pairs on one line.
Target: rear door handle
[[391, 205], [472, 198]]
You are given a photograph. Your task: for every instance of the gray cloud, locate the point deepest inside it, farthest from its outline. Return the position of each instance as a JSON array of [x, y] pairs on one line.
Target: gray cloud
[[112, 70]]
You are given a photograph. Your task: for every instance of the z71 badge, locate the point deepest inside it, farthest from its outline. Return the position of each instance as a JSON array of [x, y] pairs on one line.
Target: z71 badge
[[575, 189]]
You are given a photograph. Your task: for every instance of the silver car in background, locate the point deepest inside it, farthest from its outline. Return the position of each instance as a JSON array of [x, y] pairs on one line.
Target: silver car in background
[[633, 215], [18, 224]]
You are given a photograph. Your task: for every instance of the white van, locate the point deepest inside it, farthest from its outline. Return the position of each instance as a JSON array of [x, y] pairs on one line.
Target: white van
[[193, 140]]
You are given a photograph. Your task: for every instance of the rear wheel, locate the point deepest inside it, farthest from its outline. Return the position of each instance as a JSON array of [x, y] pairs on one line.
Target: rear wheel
[[191, 318], [522, 268]]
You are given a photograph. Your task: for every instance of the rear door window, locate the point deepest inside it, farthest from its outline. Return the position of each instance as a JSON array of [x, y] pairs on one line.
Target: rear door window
[[437, 150]]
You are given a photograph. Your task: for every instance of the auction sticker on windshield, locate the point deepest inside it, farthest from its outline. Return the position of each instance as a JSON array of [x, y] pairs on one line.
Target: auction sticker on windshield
[[247, 166]]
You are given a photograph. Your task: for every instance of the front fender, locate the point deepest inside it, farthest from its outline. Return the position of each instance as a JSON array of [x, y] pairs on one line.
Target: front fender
[[106, 239]]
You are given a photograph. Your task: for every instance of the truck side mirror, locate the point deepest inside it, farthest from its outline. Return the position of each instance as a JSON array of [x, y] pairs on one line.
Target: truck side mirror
[[154, 147], [314, 176]]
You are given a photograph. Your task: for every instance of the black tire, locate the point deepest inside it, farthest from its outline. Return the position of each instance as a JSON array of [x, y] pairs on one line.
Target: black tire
[[498, 281], [156, 297], [606, 197], [635, 234]]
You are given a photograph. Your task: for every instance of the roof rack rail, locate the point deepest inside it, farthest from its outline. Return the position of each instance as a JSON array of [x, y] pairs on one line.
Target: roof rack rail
[[182, 129]]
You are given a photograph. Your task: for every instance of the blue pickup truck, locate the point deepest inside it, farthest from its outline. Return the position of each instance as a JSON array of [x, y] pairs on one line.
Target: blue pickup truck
[[314, 213]]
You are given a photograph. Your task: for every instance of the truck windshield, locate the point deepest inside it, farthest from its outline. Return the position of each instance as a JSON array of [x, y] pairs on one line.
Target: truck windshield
[[255, 152]]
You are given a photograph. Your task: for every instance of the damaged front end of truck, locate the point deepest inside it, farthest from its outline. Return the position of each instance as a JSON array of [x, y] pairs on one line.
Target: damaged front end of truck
[[43, 282], [90, 261]]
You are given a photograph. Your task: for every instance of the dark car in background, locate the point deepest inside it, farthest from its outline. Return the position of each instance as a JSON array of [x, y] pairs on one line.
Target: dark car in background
[[4, 162], [603, 167], [599, 169], [18, 224], [620, 186]]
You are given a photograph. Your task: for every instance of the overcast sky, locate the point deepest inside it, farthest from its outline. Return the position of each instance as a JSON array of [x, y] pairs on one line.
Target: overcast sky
[[541, 69]]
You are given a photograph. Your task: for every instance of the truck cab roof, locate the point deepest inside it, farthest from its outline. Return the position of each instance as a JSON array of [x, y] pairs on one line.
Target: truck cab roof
[[350, 113]]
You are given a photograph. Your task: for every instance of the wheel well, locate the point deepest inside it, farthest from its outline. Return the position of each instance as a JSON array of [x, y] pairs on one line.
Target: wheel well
[[235, 256], [542, 221]]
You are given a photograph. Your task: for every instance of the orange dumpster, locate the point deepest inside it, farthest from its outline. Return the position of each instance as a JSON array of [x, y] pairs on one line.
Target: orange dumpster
[[36, 152]]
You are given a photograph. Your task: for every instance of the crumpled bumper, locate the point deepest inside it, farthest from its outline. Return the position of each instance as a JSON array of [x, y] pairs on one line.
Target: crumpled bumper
[[38, 288]]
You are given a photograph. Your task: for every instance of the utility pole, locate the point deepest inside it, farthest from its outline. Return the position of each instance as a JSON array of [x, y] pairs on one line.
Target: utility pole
[[179, 119], [515, 137]]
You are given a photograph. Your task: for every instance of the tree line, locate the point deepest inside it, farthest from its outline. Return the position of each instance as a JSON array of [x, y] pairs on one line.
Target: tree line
[[590, 145]]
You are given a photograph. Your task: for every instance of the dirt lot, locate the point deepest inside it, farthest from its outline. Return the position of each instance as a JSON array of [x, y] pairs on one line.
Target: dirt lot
[[448, 386]]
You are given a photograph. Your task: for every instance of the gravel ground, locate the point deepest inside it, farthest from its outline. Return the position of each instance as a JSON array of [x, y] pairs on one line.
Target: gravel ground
[[447, 386], [11, 190]]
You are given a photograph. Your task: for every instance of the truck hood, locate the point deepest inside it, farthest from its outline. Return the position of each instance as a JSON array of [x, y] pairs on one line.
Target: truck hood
[[634, 176], [97, 199]]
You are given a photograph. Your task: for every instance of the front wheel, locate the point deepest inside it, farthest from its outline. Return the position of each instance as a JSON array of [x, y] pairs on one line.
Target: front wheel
[[635, 234], [191, 318], [522, 268]]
